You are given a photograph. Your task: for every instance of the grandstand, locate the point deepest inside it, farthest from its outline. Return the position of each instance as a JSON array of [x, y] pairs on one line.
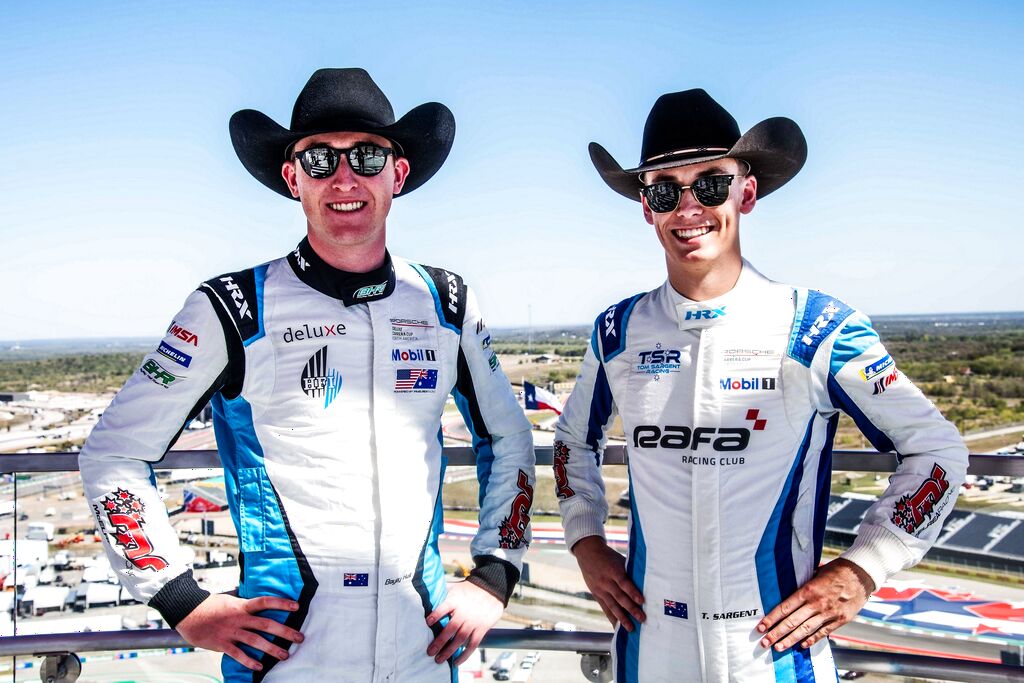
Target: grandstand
[[975, 539]]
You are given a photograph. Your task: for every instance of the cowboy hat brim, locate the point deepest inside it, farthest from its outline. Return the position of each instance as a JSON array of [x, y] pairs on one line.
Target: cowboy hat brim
[[426, 135], [775, 149]]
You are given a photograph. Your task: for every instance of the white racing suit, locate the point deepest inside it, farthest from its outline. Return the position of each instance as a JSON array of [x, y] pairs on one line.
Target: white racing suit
[[729, 409], [327, 391]]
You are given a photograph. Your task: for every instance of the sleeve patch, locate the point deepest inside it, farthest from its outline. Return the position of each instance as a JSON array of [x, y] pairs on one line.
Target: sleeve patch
[[820, 315], [449, 295], [559, 463], [610, 327], [121, 516], [512, 532], [916, 511], [241, 296]]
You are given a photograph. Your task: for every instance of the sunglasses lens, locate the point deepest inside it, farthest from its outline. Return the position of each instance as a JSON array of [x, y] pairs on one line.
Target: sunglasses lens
[[662, 197], [368, 159], [319, 162], [712, 190]]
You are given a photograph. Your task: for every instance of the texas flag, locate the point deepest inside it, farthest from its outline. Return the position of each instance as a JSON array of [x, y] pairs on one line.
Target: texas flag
[[538, 398]]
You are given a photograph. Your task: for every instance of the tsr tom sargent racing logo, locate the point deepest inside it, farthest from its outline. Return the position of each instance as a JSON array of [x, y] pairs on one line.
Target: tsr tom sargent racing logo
[[658, 361], [319, 380]]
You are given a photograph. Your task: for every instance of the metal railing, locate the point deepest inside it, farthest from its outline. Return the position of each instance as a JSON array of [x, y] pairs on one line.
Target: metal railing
[[842, 460], [593, 646]]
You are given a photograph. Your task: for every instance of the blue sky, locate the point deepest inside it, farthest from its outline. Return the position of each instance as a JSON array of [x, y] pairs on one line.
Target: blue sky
[[120, 190]]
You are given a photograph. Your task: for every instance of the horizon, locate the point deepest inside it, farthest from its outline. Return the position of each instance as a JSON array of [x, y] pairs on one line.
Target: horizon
[[143, 339]]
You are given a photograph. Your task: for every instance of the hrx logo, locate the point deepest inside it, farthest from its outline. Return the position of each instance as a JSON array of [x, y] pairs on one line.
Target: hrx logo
[[705, 313], [453, 293], [609, 322], [236, 295], [821, 322]]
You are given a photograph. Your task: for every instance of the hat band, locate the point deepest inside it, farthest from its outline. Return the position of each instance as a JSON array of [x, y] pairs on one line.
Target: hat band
[[685, 151]]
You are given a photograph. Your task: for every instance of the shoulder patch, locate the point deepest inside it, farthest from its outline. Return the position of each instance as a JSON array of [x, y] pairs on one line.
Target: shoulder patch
[[817, 316], [610, 327], [241, 296], [449, 295]]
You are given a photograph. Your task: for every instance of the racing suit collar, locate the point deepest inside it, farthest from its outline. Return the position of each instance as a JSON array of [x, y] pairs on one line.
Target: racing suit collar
[[741, 299], [349, 288]]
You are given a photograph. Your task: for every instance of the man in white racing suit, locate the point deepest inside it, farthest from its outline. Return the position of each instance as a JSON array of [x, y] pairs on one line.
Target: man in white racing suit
[[328, 372], [729, 387]]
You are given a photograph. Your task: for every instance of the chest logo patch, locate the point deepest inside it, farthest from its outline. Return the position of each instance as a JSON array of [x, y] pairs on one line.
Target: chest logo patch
[[415, 380], [318, 380]]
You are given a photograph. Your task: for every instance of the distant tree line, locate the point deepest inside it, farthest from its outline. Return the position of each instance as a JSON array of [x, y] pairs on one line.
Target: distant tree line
[[94, 372]]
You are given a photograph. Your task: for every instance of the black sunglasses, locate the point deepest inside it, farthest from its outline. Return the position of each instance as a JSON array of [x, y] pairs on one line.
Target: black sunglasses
[[710, 190], [365, 159]]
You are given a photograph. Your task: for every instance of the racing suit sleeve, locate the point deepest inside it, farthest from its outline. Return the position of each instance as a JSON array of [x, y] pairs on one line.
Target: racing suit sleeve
[[862, 380], [580, 439], [505, 462], [146, 416]]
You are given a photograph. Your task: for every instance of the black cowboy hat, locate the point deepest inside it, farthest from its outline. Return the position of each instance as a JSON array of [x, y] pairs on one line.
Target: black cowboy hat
[[689, 127], [336, 100]]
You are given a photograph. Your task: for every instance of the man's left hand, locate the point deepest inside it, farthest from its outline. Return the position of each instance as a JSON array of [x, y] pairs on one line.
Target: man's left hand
[[472, 612], [830, 599]]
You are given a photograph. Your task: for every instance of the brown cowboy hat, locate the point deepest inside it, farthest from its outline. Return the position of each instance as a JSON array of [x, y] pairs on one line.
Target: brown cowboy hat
[[689, 127], [336, 100]]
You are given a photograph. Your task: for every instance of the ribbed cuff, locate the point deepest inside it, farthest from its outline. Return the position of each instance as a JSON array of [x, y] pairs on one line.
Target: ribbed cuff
[[496, 576], [880, 553], [178, 598], [580, 522]]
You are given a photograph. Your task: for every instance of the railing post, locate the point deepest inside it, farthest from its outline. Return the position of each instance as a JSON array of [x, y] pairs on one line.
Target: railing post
[[60, 667], [596, 666]]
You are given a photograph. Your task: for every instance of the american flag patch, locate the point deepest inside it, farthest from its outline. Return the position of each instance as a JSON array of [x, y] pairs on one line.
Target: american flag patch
[[411, 379], [356, 579], [676, 609]]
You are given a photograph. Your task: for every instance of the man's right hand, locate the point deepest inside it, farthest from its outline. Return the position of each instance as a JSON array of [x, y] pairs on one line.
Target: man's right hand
[[604, 571], [223, 621]]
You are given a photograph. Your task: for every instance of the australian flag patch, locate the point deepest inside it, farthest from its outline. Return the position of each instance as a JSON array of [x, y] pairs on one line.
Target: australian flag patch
[[676, 609], [356, 579]]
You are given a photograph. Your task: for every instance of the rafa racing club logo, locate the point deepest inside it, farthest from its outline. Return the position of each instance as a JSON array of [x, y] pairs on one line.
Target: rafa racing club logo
[[124, 511], [512, 532], [916, 511], [560, 461]]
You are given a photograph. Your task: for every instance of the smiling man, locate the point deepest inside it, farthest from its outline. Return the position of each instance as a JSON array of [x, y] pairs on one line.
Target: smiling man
[[729, 387], [328, 372]]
